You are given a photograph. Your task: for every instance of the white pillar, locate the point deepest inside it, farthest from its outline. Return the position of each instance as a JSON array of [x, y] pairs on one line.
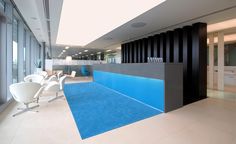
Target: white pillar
[[211, 62], [221, 61]]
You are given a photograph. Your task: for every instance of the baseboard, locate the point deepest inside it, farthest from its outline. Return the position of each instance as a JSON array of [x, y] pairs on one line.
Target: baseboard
[[4, 106]]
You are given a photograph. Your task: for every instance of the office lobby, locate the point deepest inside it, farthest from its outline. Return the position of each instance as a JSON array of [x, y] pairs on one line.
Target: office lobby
[[118, 72]]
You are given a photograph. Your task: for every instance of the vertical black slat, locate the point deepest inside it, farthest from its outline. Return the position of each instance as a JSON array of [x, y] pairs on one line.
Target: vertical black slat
[[187, 64], [130, 52], [199, 61], [149, 47], [169, 47], [178, 46], [144, 50], [163, 46], [102, 56], [127, 53], [122, 53], [138, 51], [152, 46], [135, 56], [156, 49]]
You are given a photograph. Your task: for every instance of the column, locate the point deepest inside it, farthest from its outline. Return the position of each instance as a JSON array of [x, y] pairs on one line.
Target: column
[[20, 51], [221, 60], [211, 62]]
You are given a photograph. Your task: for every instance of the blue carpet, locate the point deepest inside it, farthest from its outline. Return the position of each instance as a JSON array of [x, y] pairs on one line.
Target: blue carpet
[[97, 109]]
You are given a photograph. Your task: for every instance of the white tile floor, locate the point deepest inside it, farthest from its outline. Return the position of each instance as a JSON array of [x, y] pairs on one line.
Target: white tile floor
[[209, 121]]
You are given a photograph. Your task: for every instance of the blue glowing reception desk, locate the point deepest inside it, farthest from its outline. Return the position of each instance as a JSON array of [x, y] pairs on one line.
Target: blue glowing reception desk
[[158, 85]]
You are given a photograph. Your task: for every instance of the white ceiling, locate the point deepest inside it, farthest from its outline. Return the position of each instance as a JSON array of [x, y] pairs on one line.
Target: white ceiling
[[33, 13], [169, 15]]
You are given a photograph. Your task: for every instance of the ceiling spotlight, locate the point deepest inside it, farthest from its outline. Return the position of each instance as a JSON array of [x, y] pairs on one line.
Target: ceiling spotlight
[[80, 52], [85, 50], [108, 50], [67, 47], [91, 54], [99, 52], [108, 38], [64, 51], [138, 25]]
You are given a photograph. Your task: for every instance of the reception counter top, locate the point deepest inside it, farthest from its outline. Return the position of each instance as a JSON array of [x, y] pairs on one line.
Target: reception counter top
[[158, 85]]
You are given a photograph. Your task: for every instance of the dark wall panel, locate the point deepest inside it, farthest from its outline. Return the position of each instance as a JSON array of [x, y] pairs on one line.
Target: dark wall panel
[[199, 61], [185, 45], [127, 53], [122, 53], [139, 53], [156, 46], [163, 46], [187, 63], [131, 53], [169, 47], [135, 55], [150, 47], [178, 46], [144, 50]]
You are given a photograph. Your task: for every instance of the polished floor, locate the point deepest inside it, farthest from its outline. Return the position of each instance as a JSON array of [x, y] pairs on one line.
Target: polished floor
[[209, 121]]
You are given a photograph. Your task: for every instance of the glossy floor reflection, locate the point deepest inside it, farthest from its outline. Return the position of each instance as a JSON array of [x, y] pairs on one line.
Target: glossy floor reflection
[[209, 121]]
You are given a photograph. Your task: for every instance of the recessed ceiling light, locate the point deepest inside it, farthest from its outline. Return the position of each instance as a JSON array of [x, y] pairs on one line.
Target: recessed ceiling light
[[73, 31], [80, 52], [108, 38], [138, 25], [76, 54], [98, 52], [91, 54], [108, 50], [67, 47], [85, 50], [64, 51]]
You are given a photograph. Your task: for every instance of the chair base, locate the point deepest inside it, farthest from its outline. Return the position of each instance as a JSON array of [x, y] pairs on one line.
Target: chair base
[[23, 110], [55, 98]]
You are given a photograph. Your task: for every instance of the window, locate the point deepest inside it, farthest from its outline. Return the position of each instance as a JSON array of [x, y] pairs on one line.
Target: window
[[24, 56], [15, 52]]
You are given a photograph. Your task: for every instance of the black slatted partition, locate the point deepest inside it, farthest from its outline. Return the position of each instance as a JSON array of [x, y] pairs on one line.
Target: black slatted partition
[[178, 46], [169, 47], [139, 52], [185, 45], [187, 63], [199, 61]]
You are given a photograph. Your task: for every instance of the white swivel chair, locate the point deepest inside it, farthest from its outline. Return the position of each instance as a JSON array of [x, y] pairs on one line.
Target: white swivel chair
[[26, 93], [44, 74], [56, 87], [34, 78], [73, 73], [51, 78], [59, 74]]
